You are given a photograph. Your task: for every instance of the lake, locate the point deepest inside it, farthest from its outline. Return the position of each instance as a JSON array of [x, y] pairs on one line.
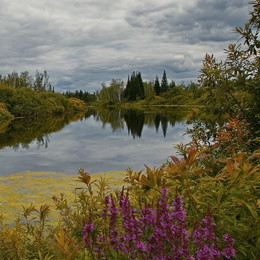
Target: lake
[[98, 141]]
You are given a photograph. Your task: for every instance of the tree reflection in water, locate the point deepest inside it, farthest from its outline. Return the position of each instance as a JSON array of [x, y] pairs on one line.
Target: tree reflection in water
[[21, 132], [136, 119]]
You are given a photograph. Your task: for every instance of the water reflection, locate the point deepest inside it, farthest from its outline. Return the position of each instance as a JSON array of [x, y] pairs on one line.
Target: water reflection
[[136, 119], [99, 140], [21, 132], [135, 122]]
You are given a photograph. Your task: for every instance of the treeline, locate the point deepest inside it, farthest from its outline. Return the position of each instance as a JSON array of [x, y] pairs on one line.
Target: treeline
[[83, 95], [153, 92], [40, 82], [135, 89], [22, 95]]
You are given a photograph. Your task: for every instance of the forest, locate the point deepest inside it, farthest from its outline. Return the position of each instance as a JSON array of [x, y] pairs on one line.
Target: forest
[[136, 92], [202, 204]]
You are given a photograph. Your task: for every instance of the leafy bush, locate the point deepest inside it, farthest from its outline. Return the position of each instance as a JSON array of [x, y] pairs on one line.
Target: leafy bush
[[53, 106], [77, 104], [5, 115], [25, 102], [28, 102]]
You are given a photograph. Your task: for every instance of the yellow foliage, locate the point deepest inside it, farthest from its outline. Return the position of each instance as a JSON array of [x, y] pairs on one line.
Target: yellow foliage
[[77, 104], [65, 245]]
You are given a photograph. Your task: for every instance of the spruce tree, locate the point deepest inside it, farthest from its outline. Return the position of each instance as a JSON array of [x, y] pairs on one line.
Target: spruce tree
[[164, 83], [157, 87], [140, 86], [134, 87]]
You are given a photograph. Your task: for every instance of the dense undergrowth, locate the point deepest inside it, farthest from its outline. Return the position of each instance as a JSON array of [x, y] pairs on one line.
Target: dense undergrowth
[[26, 102], [203, 204]]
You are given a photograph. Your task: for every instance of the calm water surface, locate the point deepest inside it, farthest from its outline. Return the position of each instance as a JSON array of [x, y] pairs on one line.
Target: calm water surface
[[98, 141]]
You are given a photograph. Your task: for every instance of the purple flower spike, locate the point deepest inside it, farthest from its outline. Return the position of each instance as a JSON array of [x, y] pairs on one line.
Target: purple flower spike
[[154, 232], [87, 230], [229, 251]]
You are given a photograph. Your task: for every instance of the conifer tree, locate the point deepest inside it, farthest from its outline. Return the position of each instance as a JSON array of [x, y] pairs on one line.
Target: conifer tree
[[157, 87], [172, 84], [140, 86], [164, 83], [134, 87]]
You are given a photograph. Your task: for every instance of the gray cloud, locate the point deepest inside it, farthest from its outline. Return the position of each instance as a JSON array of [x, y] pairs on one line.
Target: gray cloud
[[83, 43]]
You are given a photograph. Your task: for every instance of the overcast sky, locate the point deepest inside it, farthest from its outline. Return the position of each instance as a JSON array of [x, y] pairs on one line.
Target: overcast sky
[[82, 43]]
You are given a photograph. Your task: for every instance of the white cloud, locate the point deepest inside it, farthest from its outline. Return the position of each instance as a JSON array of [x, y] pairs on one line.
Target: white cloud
[[83, 43]]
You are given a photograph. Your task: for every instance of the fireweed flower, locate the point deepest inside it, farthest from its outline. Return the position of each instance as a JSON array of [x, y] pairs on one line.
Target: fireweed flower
[[158, 232], [205, 230], [131, 224], [87, 230], [148, 216], [112, 213], [204, 237], [105, 209], [181, 246], [169, 239], [229, 251]]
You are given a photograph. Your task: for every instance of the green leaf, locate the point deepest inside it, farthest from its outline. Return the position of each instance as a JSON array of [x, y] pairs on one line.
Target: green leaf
[[252, 209]]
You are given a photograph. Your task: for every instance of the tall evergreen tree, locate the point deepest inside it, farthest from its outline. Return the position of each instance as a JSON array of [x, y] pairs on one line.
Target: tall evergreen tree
[[164, 83], [157, 87], [140, 86], [134, 88], [128, 93]]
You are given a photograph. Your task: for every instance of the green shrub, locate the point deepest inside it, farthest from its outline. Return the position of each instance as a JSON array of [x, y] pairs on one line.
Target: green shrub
[[28, 102], [53, 106], [5, 115]]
